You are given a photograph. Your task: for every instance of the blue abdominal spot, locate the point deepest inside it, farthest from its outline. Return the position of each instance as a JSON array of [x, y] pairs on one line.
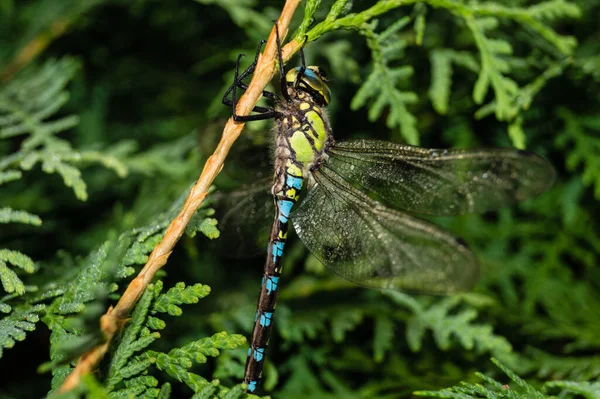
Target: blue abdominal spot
[[265, 319], [293, 181], [285, 207], [277, 250], [252, 386], [272, 284], [259, 354]]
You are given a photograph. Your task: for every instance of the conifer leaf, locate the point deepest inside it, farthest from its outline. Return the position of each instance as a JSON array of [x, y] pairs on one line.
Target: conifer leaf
[[516, 133], [118, 369], [107, 160], [141, 248], [589, 390], [8, 215], [295, 327], [180, 294], [177, 361], [493, 67], [9, 175], [15, 326], [581, 132], [71, 176], [383, 338], [10, 281], [420, 11], [581, 368], [520, 388], [18, 259], [380, 89], [441, 75], [441, 80], [449, 325], [165, 391], [338, 9], [28, 107], [204, 224], [343, 321], [308, 18], [125, 368], [155, 323]]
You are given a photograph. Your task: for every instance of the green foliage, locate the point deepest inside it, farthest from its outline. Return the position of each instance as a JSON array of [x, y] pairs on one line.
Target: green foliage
[[520, 388], [89, 288], [127, 373], [589, 390], [447, 324], [15, 326], [382, 82], [71, 304], [10, 281], [27, 107], [381, 87], [441, 75], [586, 147], [207, 226], [125, 118]]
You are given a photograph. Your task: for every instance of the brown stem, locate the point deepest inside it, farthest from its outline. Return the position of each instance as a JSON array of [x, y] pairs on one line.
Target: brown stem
[[116, 317]]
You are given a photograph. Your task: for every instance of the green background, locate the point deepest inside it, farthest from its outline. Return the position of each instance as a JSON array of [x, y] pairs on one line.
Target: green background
[[110, 121]]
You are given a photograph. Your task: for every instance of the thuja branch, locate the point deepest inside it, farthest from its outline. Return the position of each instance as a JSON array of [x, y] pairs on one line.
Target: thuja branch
[[529, 17], [116, 316]]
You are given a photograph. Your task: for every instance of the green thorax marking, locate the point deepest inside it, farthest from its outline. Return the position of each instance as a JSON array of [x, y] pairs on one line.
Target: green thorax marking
[[303, 131]]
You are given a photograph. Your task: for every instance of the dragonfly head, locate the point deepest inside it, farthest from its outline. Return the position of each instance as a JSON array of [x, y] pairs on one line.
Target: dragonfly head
[[313, 81]]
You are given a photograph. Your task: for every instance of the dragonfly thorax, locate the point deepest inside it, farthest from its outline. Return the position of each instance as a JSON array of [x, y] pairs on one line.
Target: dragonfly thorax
[[303, 134], [303, 128]]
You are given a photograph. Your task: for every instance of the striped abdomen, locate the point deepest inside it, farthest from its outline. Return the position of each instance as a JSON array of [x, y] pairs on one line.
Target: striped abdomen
[[285, 199]]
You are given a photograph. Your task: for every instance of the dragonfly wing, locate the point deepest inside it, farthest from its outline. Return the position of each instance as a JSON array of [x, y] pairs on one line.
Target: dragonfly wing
[[247, 220], [371, 245], [441, 182]]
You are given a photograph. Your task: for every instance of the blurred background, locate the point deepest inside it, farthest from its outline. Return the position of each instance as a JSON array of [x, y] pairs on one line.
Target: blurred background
[[120, 106]]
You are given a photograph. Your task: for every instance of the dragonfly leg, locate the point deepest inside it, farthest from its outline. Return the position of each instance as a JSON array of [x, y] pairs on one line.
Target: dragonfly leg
[[282, 79], [239, 83], [264, 112], [303, 66]]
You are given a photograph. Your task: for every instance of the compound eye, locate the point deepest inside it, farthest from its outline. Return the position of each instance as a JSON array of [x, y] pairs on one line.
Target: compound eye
[[313, 78], [311, 81]]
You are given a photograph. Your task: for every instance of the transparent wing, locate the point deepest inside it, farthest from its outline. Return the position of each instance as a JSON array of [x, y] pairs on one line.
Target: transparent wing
[[441, 182], [371, 245], [248, 215]]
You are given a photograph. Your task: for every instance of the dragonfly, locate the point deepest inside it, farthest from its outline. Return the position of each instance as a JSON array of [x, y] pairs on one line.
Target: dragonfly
[[356, 217]]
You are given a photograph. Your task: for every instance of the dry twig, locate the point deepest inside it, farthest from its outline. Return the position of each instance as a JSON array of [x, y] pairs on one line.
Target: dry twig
[[116, 316]]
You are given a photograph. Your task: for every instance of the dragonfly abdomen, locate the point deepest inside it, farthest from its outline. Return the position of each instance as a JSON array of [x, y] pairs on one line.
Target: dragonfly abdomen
[[285, 199]]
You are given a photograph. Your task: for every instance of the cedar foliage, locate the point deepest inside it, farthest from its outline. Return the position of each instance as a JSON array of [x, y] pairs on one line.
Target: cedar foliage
[[102, 134]]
